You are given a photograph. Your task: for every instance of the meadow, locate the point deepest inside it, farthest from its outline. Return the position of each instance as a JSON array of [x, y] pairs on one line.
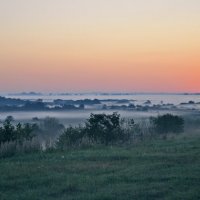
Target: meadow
[[150, 169]]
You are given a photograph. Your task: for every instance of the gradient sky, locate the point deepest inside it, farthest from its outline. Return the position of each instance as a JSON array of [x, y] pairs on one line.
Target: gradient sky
[[100, 45]]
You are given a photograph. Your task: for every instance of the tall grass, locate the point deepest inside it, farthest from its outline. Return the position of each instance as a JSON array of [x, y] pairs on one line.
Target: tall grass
[[11, 148]]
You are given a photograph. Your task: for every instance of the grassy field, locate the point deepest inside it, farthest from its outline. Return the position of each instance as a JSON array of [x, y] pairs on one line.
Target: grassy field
[[157, 169]]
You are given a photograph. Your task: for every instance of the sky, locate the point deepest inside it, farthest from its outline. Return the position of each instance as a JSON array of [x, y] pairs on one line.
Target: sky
[[100, 45]]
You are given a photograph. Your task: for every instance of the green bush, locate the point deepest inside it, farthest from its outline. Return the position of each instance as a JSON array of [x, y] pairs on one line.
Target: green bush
[[99, 129], [104, 128], [168, 123], [111, 129], [19, 132], [72, 136]]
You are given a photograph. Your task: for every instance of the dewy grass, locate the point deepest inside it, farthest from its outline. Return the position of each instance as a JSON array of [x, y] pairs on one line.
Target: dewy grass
[[156, 169], [12, 148]]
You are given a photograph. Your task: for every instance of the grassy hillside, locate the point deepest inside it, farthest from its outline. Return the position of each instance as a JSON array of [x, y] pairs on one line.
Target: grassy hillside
[[157, 169]]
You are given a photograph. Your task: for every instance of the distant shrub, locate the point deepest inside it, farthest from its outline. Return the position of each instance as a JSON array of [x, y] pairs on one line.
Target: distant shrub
[[10, 118], [98, 129], [168, 124], [104, 128], [19, 132], [49, 128], [131, 130], [36, 119], [50, 123], [72, 136]]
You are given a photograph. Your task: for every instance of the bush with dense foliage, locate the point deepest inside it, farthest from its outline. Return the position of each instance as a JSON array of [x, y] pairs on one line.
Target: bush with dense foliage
[[17, 138], [104, 128], [19, 132], [98, 129], [72, 136], [168, 123], [111, 129]]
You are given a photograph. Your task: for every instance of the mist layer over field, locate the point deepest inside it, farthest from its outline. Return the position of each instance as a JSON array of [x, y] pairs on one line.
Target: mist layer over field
[[161, 104]]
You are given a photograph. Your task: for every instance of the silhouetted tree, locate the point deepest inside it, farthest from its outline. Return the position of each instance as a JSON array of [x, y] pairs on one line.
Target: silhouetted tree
[[9, 132], [168, 123], [104, 128]]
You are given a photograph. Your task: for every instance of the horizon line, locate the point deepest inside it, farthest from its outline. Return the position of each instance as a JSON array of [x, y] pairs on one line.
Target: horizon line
[[94, 92]]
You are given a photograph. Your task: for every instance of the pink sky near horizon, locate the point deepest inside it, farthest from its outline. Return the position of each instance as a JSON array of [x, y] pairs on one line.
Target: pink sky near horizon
[[130, 46]]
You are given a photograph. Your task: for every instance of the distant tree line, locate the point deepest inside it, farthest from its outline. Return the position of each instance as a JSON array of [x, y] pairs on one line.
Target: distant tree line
[[106, 129], [19, 132], [111, 129]]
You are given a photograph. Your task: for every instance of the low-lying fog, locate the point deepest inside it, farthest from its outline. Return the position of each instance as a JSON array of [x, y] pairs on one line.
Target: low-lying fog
[[78, 117], [148, 105]]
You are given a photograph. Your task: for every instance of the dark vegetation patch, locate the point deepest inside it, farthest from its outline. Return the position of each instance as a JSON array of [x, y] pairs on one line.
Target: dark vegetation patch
[[100, 129]]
